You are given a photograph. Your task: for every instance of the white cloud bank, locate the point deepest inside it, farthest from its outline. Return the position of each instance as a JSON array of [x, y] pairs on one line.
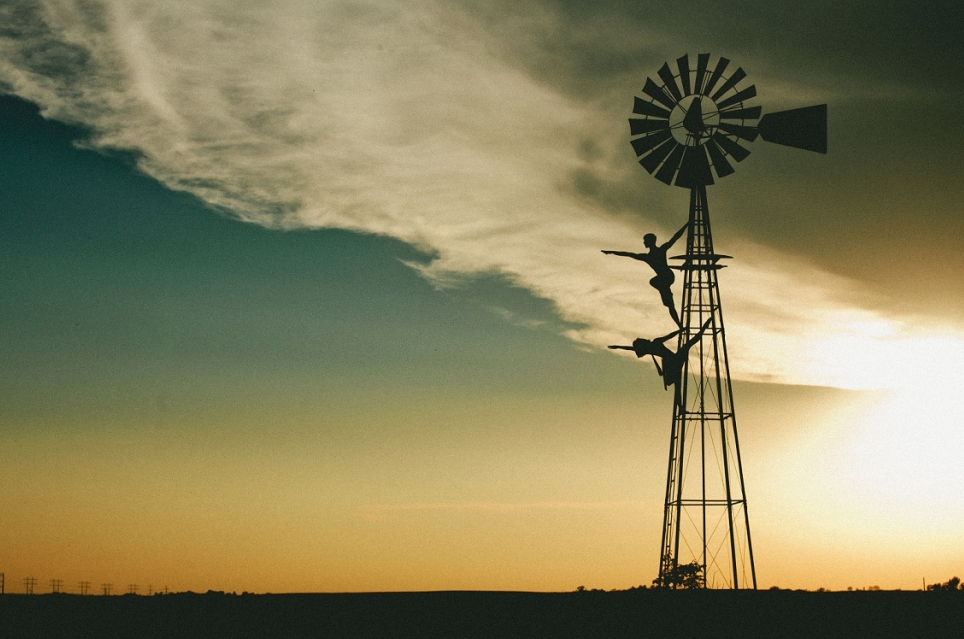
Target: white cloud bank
[[394, 118]]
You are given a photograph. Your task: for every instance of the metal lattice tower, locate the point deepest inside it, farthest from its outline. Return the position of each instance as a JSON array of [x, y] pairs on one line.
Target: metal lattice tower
[[705, 518], [687, 127]]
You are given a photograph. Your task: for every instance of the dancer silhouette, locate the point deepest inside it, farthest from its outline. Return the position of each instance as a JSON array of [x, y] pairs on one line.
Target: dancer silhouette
[[672, 368], [656, 258]]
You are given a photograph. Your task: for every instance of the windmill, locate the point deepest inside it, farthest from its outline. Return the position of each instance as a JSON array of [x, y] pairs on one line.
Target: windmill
[[687, 127]]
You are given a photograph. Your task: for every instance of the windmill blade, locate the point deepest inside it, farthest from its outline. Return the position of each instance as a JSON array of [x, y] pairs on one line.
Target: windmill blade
[[720, 163], [642, 127], [751, 113], [642, 107], [747, 133], [644, 144], [695, 168], [717, 72], [804, 128], [654, 91], [671, 165], [684, 72], [702, 60], [735, 151], [667, 77], [739, 97], [653, 160], [738, 75]]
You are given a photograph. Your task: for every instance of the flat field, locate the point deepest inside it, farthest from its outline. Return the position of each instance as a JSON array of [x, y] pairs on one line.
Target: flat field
[[456, 615]]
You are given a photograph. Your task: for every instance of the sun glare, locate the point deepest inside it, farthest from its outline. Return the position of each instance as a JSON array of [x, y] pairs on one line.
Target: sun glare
[[891, 466], [905, 451], [874, 356]]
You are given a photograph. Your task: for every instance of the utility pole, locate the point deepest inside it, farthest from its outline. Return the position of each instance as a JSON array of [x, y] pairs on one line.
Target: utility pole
[[132, 589], [83, 586], [106, 588], [55, 585], [1, 583], [28, 584]]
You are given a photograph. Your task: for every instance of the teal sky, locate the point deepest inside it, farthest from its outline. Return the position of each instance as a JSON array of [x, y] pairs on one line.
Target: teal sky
[[163, 357], [112, 281], [301, 296]]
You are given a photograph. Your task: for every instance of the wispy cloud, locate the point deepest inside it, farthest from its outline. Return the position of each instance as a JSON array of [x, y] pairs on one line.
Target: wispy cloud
[[400, 118], [377, 512]]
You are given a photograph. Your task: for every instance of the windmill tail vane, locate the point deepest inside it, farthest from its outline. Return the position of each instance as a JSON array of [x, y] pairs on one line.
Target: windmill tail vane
[[694, 122]]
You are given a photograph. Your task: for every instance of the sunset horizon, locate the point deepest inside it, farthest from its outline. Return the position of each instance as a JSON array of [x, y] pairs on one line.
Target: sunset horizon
[[310, 298]]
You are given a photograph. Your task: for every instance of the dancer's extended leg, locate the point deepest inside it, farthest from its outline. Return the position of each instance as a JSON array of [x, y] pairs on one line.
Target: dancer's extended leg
[[667, 295]]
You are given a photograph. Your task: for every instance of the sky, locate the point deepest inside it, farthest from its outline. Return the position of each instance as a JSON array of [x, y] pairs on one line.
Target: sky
[[308, 296]]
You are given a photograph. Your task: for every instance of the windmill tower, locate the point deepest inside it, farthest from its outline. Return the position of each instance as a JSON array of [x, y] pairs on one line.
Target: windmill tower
[[687, 127]]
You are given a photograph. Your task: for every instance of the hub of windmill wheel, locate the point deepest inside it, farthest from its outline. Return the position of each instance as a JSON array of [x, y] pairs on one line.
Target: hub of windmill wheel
[[694, 120]]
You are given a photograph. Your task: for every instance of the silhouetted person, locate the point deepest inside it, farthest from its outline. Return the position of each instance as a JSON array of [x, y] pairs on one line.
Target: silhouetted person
[[672, 368], [656, 258]]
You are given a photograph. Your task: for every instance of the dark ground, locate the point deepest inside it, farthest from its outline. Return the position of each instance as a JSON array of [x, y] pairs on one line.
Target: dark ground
[[455, 615]]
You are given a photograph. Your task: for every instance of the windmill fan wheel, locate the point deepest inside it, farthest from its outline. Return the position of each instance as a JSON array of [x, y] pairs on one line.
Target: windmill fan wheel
[[692, 120]]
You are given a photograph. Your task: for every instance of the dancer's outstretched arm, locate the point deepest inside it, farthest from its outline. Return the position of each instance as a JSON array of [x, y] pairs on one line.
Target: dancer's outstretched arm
[[697, 337], [643, 257], [678, 235], [705, 325]]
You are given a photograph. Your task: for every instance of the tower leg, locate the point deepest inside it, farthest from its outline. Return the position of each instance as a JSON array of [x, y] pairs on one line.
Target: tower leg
[[706, 526]]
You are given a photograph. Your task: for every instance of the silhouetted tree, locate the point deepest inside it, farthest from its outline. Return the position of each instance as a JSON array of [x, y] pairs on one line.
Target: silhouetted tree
[[954, 583], [685, 576]]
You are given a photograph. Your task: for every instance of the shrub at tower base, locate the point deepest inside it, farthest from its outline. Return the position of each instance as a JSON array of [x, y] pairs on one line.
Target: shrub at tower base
[[686, 576]]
